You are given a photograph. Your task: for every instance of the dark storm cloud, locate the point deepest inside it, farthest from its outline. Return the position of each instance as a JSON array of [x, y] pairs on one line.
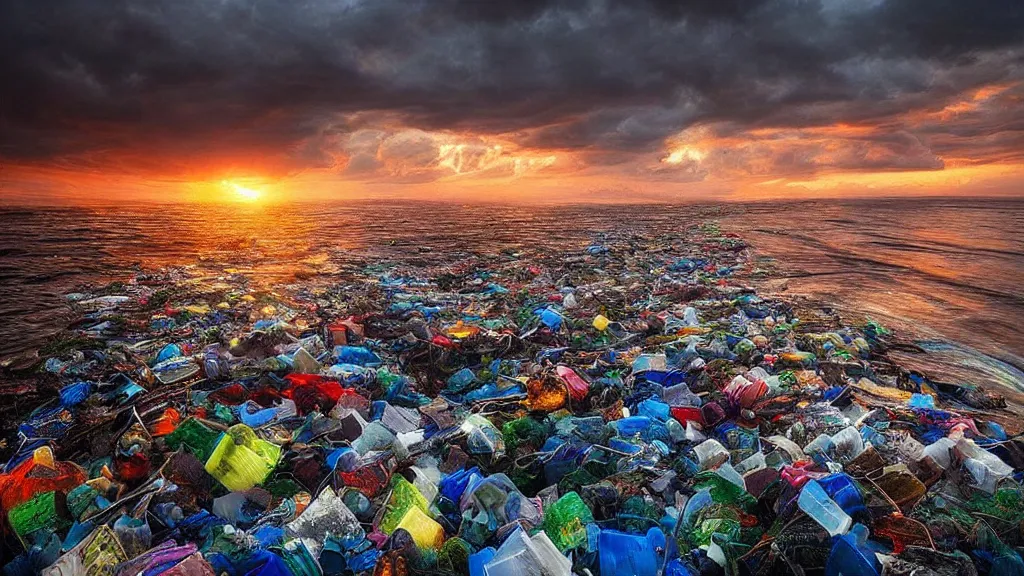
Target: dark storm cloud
[[178, 80], [947, 29]]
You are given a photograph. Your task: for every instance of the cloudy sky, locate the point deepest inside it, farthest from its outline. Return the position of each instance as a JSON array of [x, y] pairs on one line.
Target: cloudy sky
[[489, 99]]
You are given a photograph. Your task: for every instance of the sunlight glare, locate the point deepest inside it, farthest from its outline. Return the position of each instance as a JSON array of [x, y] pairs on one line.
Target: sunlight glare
[[244, 193]]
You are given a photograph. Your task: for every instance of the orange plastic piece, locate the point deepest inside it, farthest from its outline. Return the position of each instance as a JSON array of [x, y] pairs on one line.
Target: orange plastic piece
[[167, 422], [546, 395], [38, 474]]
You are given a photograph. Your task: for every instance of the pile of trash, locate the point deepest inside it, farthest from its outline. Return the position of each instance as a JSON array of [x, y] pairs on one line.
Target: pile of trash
[[633, 407]]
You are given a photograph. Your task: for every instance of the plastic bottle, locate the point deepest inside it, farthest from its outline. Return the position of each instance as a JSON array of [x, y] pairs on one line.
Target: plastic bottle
[[848, 443], [814, 501]]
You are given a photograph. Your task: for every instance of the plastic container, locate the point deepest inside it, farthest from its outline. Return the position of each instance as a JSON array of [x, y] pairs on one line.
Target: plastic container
[[623, 554], [815, 502], [850, 555], [521, 554], [241, 460], [565, 521], [425, 531]]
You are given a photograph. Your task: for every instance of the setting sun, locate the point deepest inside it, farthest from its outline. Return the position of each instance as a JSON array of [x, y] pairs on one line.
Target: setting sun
[[243, 192]]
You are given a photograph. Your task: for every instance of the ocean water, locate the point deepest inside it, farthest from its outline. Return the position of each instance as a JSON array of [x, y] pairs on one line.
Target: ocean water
[[948, 272]]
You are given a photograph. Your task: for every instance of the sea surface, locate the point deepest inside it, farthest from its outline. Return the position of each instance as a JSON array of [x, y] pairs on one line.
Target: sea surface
[[948, 272]]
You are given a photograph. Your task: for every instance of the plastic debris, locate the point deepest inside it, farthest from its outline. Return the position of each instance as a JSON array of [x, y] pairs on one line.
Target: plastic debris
[[632, 407]]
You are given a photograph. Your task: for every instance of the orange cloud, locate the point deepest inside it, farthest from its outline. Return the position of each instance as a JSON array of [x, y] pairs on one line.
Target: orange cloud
[[971, 143]]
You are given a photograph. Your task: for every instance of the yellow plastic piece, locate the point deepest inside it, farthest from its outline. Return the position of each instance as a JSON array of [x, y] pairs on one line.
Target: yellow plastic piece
[[404, 495], [886, 392], [44, 457], [600, 322], [425, 531], [242, 460], [461, 330]]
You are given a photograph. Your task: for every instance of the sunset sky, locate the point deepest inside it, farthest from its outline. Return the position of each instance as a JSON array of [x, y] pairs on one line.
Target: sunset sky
[[528, 100]]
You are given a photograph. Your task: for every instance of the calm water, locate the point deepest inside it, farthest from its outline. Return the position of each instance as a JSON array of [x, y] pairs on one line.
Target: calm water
[[950, 271]]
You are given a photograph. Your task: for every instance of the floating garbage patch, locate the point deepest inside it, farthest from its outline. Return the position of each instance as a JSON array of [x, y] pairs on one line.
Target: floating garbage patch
[[632, 407]]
